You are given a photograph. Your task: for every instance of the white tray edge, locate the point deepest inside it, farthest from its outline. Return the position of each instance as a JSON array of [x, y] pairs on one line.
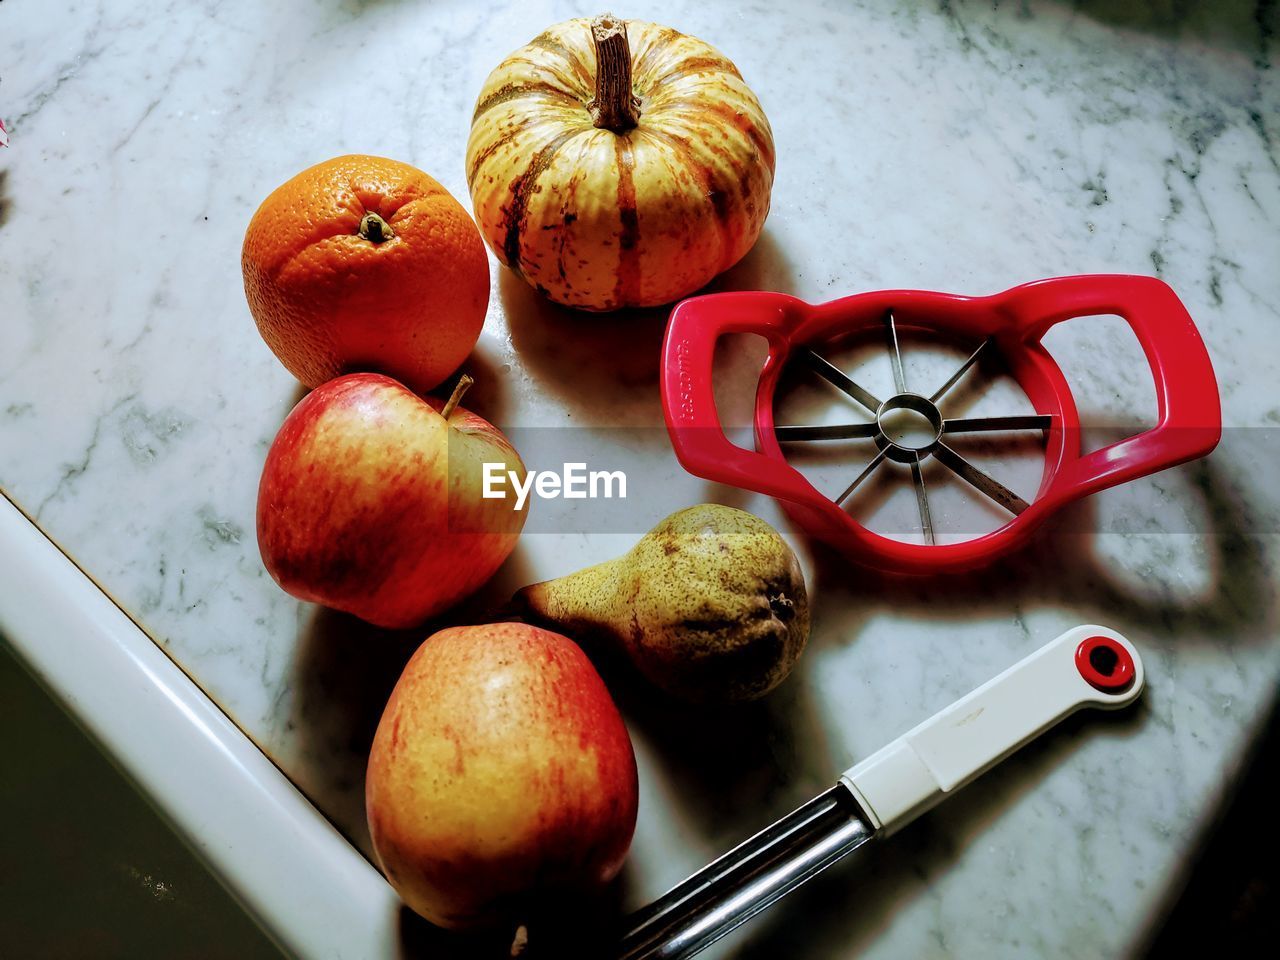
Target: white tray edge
[[307, 886]]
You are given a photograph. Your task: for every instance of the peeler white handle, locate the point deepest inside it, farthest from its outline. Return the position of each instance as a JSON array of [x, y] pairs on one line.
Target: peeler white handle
[[1088, 666]]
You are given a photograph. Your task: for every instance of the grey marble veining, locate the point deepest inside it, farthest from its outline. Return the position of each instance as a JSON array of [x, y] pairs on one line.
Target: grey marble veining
[[954, 146]]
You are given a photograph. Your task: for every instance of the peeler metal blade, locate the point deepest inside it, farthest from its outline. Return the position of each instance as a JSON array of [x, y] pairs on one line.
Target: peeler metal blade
[[754, 875]]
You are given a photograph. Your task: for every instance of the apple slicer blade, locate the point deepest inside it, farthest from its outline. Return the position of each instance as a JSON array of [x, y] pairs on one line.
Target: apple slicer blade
[[908, 428]]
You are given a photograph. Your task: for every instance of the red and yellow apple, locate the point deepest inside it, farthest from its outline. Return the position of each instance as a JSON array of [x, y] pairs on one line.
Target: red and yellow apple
[[501, 775], [371, 501]]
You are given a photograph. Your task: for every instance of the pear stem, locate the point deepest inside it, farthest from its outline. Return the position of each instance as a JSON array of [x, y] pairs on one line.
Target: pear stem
[[615, 106], [464, 384], [374, 229]]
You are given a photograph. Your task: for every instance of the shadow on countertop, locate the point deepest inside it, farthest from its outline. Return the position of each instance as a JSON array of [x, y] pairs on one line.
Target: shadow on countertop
[[1061, 567], [1246, 25], [344, 671], [606, 365], [6, 201], [1230, 904]]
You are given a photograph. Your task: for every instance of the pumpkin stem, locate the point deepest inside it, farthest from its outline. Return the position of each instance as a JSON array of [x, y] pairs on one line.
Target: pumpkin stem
[[464, 384], [615, 106], [374, 229]]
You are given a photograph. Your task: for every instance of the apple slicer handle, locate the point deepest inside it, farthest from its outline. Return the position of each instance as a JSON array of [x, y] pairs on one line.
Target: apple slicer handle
[[1088, 666], [688, 394], [1189, 409]]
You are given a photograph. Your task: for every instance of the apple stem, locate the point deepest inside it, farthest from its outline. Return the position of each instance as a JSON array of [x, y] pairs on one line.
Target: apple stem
[[520, 941], [464, 384]]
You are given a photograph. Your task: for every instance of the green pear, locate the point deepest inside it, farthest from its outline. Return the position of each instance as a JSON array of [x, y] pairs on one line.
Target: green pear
[[710, 605]]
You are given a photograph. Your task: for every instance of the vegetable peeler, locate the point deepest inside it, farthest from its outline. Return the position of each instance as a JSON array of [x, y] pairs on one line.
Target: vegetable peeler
[[910, 426], [1088, 666]]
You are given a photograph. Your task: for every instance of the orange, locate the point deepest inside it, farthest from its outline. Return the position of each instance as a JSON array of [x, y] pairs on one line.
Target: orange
[[366, 264]]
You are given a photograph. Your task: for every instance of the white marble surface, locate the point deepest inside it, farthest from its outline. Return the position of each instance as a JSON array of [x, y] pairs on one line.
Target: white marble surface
[[955, 146]]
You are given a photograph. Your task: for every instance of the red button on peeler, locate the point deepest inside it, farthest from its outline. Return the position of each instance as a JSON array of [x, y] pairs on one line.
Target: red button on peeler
[[1104, 663]]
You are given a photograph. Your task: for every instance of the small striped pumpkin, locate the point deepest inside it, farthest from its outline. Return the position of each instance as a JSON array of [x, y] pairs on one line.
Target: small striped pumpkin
[[618, 163]]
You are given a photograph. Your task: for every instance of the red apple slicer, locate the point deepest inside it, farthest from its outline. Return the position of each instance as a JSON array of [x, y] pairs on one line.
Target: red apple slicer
[[910, 425]]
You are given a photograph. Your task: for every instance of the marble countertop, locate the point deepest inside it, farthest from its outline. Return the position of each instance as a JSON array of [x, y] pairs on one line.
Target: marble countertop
[[953, 146]]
